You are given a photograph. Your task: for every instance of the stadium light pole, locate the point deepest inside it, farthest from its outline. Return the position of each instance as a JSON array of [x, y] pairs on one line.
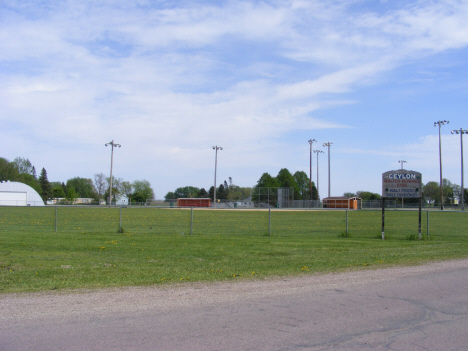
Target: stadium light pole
[[461, 131], [441, 123], [318, 152], [402, 199], [216, 148], [311, 141], [112, 144], [328, 144]]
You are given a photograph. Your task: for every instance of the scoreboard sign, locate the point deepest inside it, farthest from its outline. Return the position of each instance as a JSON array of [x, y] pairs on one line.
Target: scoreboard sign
[[402, 184]]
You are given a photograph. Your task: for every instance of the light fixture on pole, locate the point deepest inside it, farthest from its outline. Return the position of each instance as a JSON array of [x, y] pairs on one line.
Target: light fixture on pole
[[401, 161], [328, 144], [112, 144], [311, 141], [216, 148], [462, 196], [318, 152], [441, 123]]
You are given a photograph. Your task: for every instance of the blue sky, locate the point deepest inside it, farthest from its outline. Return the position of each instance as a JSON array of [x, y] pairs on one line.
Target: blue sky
[[170, 79]]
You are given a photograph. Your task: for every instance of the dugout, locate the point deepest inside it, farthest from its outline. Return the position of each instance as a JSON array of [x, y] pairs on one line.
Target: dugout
[[350, 203], [193, 202]]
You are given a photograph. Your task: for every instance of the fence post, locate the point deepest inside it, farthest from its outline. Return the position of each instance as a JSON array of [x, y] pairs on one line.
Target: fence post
[[346, 222], [56, 219], [120, 219], [427, 223], [191, 221], [269, 221]]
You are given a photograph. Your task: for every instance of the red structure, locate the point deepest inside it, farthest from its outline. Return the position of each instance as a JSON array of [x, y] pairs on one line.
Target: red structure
[[351, 203], [193, 202]]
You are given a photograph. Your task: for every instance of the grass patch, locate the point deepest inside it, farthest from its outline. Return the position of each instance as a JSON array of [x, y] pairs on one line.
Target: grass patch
[[88, 252]]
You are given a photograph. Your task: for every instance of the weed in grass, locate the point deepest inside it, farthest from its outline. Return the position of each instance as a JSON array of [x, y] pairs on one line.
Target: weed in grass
[[345, 234]]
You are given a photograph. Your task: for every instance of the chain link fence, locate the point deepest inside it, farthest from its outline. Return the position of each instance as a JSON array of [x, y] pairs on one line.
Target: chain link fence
[[366, 224]]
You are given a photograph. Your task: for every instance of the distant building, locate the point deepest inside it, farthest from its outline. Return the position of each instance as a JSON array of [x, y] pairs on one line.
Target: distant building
[[18, 194], [193, 202], [351, 203]]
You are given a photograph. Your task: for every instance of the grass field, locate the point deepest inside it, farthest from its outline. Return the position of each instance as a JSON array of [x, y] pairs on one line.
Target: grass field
[[156, 246]]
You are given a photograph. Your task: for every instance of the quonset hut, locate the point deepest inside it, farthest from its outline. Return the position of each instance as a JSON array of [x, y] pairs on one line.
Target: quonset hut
[[18, 194]]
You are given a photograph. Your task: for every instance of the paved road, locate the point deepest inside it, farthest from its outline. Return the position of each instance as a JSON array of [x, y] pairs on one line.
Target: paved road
[[416, 308]]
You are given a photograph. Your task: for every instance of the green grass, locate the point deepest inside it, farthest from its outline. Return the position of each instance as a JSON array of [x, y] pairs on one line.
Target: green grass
[[156, 246]]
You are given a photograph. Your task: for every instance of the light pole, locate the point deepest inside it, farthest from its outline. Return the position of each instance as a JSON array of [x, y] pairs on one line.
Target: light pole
[[441, 123], [461, 132], [112, 144], [328, 144], [311, 141], [216, 148], [402, 199], [318, 152]]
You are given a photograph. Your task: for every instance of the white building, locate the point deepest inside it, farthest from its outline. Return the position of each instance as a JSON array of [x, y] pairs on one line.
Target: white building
[[18, 194]]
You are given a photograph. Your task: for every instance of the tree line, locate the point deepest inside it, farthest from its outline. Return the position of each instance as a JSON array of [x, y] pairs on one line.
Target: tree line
[[299, 182], [21, 170]]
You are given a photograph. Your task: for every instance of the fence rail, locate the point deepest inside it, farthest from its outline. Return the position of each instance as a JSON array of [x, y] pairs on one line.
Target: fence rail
[[399, 224]]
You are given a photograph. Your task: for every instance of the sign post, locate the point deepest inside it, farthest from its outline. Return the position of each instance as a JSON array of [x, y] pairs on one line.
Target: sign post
[[401, 183]]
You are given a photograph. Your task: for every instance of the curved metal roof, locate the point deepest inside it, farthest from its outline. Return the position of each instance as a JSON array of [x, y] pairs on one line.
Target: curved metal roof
[[19, 194]]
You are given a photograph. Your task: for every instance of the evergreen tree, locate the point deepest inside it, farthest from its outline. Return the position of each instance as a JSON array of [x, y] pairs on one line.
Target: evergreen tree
[[46, 192], [34, 172]]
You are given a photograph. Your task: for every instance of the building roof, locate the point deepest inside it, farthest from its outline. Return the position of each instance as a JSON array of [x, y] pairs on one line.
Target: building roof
[[18, 194]]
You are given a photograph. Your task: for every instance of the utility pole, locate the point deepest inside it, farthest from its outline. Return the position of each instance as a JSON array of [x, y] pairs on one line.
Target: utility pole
[[462, 196], [311, 141], [112, 144], [216, 148], [441, 123], [328, 144]]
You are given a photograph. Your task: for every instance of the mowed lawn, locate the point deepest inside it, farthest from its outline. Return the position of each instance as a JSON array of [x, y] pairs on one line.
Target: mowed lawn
[[157, 247]]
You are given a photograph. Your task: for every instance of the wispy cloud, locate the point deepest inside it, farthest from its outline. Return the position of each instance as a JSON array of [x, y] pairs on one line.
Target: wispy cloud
[[185, 76]]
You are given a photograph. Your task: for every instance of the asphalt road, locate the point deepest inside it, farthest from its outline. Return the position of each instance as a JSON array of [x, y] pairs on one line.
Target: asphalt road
[[415, 308]]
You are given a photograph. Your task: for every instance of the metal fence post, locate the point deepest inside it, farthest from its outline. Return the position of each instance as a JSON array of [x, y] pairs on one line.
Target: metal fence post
[[427, 223], [56, 219], [346, 222], [269, 221], [191, 221], [120, 219]]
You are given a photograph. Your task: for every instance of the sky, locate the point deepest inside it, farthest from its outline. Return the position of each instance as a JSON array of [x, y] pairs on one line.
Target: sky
[[168, 80]]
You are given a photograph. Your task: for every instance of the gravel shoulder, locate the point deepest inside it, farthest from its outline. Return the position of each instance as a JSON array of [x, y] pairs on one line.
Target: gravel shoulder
[[77, 304]]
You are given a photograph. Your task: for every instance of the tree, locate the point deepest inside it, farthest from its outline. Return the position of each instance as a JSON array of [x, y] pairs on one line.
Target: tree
[[29, 180], [8, 170], [83, 187], [58, 192], [238, 193], [203, 193], [221, 192], [286, 180], [100, 184], [303, 183], [367, 195], [187, 192], [71, 195], [23, 165], [431, 192], [170, 196], [127, 190], [142, 191], [267, 181], [349, 194], [46, 190]]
